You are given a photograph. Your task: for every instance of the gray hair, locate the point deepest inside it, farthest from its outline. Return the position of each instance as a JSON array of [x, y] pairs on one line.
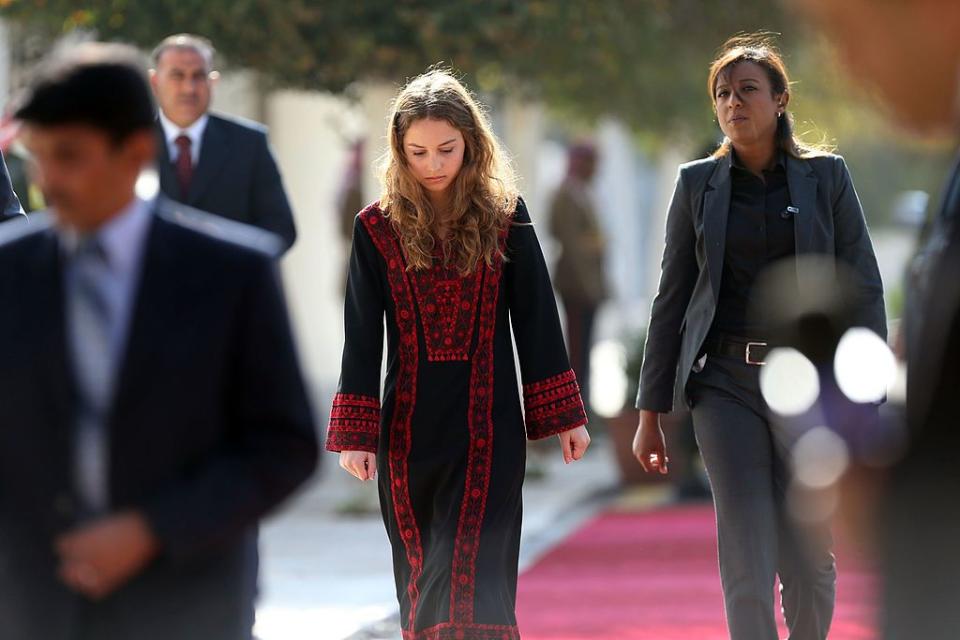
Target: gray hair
[[185, 41]]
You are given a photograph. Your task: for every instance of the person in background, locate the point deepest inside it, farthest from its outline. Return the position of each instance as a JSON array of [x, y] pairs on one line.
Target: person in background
[[209, 161], [153, 406], [350, 197], [908, 53], [579, 274]]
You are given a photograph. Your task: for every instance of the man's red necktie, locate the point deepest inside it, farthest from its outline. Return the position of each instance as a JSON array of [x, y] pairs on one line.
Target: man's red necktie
[[184, 164]]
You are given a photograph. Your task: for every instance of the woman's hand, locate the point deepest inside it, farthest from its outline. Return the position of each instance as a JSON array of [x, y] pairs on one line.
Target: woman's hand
[[361, 464], [574, 444], [648, 443]]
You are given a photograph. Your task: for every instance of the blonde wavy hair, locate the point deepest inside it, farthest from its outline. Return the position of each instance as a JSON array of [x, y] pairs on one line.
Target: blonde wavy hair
[[483, 194]]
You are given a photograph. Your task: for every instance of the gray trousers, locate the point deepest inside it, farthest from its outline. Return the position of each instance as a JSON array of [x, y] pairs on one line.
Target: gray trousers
[[747, 461]]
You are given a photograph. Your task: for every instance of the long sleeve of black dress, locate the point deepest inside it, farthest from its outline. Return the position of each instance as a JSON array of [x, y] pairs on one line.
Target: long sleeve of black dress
[[355, 415], [551, 394]]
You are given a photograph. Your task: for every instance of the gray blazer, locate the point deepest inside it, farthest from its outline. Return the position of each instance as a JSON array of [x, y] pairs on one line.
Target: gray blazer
[[830, 222]]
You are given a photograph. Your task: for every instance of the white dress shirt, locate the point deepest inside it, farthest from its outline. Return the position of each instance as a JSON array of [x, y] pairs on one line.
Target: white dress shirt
[[195, 132]]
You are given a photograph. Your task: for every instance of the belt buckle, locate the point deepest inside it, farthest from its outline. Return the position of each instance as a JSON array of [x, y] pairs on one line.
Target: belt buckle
[[746, 354]]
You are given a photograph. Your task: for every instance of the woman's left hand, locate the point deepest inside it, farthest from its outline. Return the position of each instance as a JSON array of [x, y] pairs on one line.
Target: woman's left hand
[[574, 444]]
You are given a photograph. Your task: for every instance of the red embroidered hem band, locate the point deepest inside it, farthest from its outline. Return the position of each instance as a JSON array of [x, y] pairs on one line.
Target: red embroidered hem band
[[354, 423], [553, 406]]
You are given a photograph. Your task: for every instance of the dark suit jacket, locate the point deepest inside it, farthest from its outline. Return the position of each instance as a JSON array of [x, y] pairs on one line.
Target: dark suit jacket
[[9, 203], [920, 522], [236, 177], [830, 222], [932, 311], [210, 429]]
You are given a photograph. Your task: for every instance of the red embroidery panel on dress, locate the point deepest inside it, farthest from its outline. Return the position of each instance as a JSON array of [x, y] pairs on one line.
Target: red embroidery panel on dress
[[479, 458], [406, 393], [553, 405], [354, 423], [448, 309]]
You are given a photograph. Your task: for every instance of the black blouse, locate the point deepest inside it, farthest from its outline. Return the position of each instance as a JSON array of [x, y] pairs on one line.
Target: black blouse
[[759, 233]]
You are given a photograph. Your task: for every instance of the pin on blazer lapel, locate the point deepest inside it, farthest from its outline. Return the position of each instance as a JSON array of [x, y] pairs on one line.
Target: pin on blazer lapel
[[802, 182]]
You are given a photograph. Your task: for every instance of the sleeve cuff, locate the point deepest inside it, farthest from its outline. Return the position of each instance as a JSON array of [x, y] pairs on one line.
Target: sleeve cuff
[[553, 406], [354, 423]]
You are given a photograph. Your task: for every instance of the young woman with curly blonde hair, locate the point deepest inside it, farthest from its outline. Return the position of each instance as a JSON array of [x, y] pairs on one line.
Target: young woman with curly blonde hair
[[450, 258]]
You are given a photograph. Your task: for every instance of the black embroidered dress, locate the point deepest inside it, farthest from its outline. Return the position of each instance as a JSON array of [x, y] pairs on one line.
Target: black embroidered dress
[[450, 439]]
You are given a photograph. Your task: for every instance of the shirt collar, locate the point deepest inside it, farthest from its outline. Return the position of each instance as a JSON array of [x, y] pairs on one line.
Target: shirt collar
[[121, 237], [194, 131], [779, 161]]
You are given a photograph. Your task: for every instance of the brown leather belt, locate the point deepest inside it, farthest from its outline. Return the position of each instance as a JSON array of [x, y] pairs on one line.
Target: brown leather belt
[[750, 351]]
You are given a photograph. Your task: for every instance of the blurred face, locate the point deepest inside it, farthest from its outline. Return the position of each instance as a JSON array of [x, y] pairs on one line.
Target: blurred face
[[584, 165], [746, 106], [908, 51], [434, 152], [182, 83], [85, 177]]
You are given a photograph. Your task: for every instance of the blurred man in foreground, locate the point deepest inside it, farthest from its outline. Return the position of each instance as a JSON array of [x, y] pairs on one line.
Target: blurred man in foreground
[[909, 54], [153, 407]]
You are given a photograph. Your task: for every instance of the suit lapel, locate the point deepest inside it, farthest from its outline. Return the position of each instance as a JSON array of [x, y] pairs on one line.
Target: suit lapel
[[939, 308], [44, 302], [154, 296], [168, 179], [716, 209], [926, 362], [802, 183], [214, 151]]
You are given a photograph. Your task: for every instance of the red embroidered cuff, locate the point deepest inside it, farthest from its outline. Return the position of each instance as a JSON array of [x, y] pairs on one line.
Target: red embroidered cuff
[[354, 423], [553, 406]]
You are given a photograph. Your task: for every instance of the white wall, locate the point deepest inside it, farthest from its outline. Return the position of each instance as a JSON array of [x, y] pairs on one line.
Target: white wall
[[237, 93], [307, 134]]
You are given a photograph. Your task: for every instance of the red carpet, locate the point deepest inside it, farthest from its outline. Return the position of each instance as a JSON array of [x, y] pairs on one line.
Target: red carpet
[[653, 576]]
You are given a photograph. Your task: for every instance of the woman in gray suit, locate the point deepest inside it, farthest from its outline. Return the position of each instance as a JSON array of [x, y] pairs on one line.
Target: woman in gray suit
[[762, 197]]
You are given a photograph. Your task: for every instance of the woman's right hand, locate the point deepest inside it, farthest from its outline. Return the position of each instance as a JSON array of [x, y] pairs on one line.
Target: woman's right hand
[[361, 464], [648, 443]]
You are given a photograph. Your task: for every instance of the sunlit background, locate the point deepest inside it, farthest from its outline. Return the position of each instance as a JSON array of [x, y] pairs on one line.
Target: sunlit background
[[629, 75]]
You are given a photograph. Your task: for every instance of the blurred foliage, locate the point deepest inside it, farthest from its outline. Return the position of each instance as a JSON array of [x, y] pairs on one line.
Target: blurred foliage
[[641, 60]]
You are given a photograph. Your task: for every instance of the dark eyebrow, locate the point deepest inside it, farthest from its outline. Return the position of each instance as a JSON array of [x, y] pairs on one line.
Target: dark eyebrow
[[413, 144]]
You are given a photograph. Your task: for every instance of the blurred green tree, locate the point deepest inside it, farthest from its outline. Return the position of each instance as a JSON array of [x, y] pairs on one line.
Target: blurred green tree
[[641, 60]]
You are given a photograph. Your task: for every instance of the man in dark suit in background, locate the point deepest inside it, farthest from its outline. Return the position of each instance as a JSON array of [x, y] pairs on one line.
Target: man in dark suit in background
[[153, 406], [211, 162], [909, 53]]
